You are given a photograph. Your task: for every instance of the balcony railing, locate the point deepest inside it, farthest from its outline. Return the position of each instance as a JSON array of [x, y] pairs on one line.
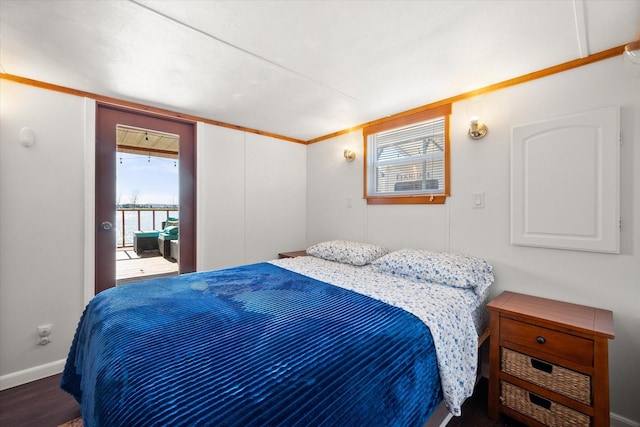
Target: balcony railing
[[129, 220]]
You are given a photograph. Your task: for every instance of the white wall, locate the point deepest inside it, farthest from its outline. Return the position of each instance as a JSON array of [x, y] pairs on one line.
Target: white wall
[[221, 177], [275, 214], [602, 280], [41, 228], [251, 205], [251, 197]]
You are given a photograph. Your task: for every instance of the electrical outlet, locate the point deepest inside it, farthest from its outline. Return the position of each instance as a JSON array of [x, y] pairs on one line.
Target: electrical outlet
[[44, 330]]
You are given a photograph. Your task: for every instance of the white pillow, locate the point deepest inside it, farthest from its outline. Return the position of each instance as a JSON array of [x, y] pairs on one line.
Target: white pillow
[[347, 252], [456, 270]]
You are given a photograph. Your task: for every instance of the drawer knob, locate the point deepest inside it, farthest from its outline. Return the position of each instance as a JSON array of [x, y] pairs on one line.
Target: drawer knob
[[541, 339]]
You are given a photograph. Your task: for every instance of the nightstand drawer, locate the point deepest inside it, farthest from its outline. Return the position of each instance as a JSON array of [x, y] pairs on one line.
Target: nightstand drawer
[[540, 409], [561, 380], [569, 347]]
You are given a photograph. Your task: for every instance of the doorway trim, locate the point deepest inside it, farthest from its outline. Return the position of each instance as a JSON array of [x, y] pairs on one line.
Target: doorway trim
[[107, 116], [90, 109]]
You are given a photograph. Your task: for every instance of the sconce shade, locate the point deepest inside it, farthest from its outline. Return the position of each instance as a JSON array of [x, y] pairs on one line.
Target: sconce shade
[[477, 130], [27, 137], [349, 155]]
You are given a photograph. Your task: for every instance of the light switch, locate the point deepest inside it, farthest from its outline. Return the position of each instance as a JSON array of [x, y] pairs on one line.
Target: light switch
[[478, 200]]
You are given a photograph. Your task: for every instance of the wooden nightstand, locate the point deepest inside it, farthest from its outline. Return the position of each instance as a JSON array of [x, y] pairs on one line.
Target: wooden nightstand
[[549, 363], [292, 254]]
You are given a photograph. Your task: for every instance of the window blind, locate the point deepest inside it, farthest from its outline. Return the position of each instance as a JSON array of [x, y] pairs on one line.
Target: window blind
[[407, 160]]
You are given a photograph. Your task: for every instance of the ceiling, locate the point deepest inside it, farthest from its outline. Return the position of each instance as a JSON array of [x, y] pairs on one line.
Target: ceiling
[[134, 140], [300, 69]]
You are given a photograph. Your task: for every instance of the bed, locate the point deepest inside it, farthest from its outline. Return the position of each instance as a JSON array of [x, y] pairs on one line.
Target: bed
[[344, 337]]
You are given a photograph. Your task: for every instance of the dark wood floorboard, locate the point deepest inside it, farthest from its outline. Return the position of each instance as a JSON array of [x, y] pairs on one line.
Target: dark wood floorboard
[[37, 404], [43, 404]]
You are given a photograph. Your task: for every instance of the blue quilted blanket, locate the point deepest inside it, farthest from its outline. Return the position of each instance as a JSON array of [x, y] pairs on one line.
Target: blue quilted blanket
[[255, 345]]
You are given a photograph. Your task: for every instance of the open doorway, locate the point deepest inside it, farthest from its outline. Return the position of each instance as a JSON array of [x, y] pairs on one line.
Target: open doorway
[[147, 204], [109, 119]]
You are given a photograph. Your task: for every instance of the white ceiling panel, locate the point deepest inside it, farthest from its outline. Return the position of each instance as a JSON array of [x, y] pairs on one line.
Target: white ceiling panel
[[301, 69]]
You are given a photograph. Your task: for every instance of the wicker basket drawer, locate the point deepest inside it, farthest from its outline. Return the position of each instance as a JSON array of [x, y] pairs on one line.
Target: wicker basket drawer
[[540, 409], [569, 383]]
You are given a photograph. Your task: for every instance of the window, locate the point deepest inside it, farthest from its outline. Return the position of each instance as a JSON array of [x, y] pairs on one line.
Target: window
[[407, 159]]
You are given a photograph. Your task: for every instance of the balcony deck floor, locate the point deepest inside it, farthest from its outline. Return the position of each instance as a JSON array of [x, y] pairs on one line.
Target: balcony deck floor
[[133, 268]]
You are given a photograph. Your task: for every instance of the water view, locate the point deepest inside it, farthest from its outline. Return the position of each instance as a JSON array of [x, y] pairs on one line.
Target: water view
[[150, 219], [147, 193]]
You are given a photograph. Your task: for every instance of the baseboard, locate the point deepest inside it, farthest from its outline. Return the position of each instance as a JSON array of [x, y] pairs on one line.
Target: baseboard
[[31, 374], [620, 421]]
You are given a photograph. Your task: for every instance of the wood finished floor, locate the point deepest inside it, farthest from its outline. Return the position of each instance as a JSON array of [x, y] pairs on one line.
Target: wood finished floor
[[43, 404], [37, 404], [132, 268]]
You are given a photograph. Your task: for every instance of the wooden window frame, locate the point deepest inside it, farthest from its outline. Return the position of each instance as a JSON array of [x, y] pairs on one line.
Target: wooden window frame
[[397, 122]]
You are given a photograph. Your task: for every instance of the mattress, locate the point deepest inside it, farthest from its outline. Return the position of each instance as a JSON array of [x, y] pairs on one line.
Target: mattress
[[252, 345]]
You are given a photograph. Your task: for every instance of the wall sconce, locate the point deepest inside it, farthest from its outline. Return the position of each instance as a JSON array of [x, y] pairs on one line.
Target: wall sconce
[[477, 130], [349, 155], [632, 52], [27, 137]]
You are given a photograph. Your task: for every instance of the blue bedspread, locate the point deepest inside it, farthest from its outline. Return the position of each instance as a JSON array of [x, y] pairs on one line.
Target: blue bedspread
[[252, 345]]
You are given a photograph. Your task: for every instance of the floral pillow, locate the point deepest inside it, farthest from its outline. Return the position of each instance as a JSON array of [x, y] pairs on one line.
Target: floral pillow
[[456, 270], [347, 252]]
